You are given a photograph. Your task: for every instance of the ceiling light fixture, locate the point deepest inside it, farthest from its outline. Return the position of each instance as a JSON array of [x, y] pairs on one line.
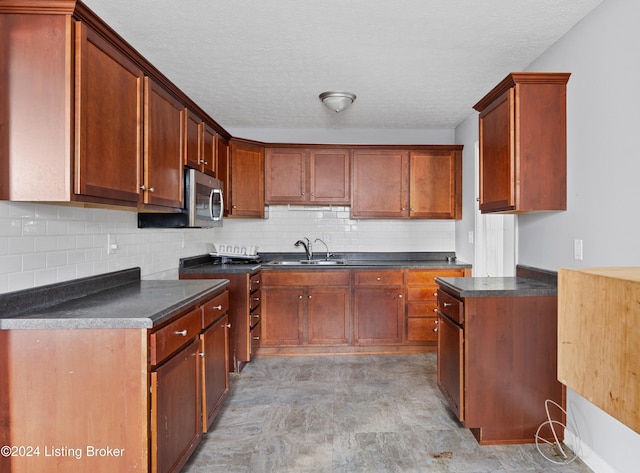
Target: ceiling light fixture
[[337, 101]]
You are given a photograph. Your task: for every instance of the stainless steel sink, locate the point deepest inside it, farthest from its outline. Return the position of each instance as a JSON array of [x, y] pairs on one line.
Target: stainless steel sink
[[313, 262]]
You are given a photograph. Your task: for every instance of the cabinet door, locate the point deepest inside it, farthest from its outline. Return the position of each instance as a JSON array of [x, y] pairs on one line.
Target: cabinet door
[[109, 92], [330, 176], [282, 316], [451, 364], [223, 171], [328, 315], [247, 180], [163, 161], [380, 181], [209, 161], [176, 410], [435, 184], [497, 155], [215, 376], [193, 141], [378, 315], [285, 176]]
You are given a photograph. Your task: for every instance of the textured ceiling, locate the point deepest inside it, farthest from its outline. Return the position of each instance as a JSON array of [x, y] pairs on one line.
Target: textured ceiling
[[413, 64]]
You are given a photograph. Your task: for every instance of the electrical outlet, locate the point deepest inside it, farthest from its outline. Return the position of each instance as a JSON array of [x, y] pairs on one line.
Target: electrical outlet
[[577, 249], [112, 245], [471, 236]]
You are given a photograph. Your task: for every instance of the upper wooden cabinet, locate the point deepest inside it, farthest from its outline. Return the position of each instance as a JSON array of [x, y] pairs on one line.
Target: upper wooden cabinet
[[307, 176], [108, 152], [200, 144], [245, 192], [523, 144], [164, 147], [78, 125], [395, 183]]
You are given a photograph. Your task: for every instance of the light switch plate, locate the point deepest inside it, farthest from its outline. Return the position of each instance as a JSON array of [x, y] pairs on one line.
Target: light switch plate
[[577, 249]]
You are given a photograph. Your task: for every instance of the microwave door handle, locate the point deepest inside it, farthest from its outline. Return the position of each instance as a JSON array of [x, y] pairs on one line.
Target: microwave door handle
[[215, 191]]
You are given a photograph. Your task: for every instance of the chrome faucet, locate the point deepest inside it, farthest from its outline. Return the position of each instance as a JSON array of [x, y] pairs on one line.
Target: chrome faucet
[[307, 247], [329, 254]]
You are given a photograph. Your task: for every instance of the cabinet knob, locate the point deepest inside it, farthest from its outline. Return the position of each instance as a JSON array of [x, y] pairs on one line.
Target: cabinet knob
[[447, 304], [256, 338], [182, 332], [309, 296], [143, 187], [435, 310], [202, 161], [403, 209], [400, 296], [299, 297], [226, 325], [234, 207], [435, 329], [378, 279], [218, 307], [435, 294], [151, 189], [302, 193], [256, 298]]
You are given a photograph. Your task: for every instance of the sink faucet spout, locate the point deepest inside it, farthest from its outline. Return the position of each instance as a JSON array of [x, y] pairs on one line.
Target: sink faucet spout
[[307, 247], [329, 254]]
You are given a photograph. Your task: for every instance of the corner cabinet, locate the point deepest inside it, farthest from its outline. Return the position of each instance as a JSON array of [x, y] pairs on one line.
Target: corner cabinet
[[523, 144], [245, 184], [425, 182]]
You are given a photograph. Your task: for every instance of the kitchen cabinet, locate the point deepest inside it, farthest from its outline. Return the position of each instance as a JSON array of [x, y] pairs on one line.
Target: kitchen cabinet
[[245, 190], [110, 126], [315, 176], [244, 309], [497, 357], [413, 183], [305, 308], [200, 144], [108, 121], [378, 307], [421, 306], [164, 147], [215, 361], [523, 144]]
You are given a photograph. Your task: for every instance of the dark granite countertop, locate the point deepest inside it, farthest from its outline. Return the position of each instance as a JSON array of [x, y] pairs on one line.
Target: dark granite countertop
[[527, 282], [114, 300], [270, 261]]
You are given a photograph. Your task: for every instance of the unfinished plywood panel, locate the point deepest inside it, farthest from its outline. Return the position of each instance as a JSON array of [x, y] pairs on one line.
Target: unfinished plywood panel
[[599, 338]]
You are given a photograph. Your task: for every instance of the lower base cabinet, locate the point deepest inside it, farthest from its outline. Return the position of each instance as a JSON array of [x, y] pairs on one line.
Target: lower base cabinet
[[497, 359], [176, 410], [117, 399]]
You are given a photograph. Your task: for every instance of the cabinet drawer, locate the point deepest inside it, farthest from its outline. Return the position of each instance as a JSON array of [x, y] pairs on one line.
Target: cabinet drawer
[[417, 277], [255, 282], [451, 307], [254, 300], [172, 337], [422, 309], [377, 278], [315, 277], [212, 310], [422, 329], [427, 293]]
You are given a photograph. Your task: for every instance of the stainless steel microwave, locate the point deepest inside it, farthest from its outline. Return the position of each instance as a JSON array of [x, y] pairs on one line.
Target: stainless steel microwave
[[203, 205]]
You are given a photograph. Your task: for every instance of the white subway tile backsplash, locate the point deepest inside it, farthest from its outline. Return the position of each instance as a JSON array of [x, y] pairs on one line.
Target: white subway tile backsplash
[[42, 244]]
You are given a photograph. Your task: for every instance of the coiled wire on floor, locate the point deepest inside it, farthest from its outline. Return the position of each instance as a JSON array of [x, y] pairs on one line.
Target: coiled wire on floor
[[554, 451]]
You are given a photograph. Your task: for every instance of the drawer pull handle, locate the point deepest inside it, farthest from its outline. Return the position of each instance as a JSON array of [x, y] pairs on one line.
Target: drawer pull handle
[[447, 304], [218, 307], [182, 332]]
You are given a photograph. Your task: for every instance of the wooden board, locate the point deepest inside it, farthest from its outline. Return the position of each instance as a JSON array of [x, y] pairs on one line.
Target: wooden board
[[599, 338]]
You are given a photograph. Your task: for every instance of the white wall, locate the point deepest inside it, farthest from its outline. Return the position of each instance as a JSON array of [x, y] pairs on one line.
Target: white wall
[[603, 99]]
